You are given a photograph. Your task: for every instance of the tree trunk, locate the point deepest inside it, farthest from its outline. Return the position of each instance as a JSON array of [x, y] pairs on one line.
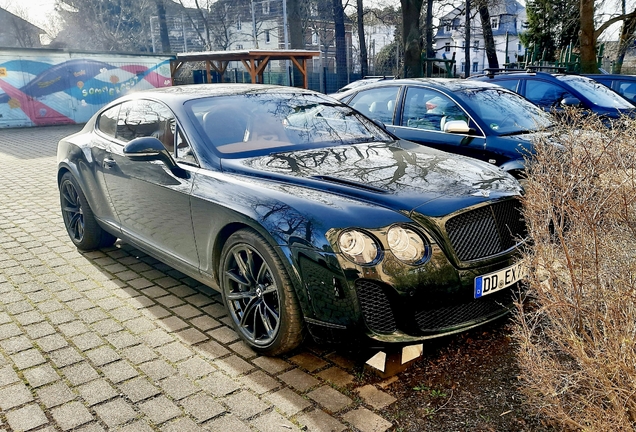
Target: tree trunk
[[412, 34], [341, 45], [430, 52], [163, 27], [587, 37], [364, 61], [489, 41], [626, 39], [295, 24], [467, 44]]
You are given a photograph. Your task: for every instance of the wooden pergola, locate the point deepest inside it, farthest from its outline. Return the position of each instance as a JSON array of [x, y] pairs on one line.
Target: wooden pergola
[[255, 61]]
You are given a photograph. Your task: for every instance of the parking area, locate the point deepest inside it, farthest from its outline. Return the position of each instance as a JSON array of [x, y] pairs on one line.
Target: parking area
[[116, 340]]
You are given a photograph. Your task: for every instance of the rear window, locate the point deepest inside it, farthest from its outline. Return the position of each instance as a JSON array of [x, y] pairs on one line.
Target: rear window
[[107, 122]]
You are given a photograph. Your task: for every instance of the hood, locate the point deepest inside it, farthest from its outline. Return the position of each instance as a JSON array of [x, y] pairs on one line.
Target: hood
[[399, 175]]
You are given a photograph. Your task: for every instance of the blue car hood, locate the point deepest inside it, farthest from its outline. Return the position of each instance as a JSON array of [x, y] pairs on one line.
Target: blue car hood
[[399, 175]]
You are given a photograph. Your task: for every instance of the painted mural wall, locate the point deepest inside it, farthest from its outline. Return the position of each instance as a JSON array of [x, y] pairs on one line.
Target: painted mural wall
[[40, 88]]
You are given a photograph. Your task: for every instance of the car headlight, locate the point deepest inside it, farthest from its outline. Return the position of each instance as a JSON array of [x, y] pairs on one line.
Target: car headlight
[[359, 247], [407, 245]]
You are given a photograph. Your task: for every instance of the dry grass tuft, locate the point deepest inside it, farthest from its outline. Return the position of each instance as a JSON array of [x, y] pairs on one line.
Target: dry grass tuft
[[577, 332]]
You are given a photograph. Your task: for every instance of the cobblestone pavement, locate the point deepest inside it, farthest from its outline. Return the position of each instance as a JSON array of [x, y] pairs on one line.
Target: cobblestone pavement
[[116, 340]]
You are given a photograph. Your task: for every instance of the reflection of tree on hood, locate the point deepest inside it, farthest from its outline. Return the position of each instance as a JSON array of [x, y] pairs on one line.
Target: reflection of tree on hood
[[283, 219], [388, 167]]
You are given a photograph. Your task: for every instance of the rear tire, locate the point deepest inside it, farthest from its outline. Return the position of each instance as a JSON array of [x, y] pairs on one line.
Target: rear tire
[[259, 295], [82, 228]]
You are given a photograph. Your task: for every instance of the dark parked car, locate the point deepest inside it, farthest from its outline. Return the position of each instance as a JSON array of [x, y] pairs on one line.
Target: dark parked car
[[479, 120], [364, 81], [303, 213], [554, 91], [624, 85]]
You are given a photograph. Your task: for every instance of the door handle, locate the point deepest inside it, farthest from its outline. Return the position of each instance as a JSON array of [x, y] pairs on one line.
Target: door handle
[[109, 163]]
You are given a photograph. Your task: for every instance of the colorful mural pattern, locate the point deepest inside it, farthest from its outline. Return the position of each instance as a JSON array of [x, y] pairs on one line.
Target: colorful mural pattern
[[57, 89]]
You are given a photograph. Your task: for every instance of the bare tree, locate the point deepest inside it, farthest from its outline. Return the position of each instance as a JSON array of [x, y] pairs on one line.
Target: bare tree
[[489, 40], [589, 33], [111, 25], [625, 40], [412, 33], [364, 61], [163, 26], [341, 48], [202, 18]]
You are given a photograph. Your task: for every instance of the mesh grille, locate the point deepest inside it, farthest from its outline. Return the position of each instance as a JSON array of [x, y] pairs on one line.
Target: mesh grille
[[376, 308], [444, 317], [486, 231]]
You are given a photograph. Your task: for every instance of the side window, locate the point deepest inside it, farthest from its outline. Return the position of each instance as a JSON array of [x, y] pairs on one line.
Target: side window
[[144, 118], [107, 122], [183, 149], [545, 94], [429, 109], [627, 89], [377, 103], [509, 84]]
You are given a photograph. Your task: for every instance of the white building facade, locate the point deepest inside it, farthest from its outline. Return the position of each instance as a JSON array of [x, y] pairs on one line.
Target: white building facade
[[508, 21]]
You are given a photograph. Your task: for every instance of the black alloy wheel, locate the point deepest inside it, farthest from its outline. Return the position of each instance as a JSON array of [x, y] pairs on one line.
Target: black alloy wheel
[[258, 295], [72, 211], [82, 228]]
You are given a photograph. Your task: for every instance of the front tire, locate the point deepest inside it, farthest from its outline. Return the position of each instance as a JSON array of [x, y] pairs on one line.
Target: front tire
[[259, 295], [82, 228]]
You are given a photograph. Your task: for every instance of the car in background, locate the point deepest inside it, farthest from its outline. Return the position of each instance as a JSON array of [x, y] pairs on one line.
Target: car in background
[[555, 91], [303, 213], [364, 81], [471, 118], [624, 85]]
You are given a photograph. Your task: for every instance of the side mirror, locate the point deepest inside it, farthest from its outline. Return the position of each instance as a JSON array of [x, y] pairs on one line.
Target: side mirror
[[145, 149], [150, 149], [380, 124], [571, 102], [456, 126]]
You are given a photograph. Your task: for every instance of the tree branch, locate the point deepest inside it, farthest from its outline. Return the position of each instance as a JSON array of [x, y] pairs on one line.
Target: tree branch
[[611, 21]]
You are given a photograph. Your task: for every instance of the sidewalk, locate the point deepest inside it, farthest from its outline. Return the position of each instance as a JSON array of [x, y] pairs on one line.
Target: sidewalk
[[116, 340]]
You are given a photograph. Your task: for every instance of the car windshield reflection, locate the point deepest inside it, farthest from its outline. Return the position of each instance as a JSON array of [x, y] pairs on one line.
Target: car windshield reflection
[[258, 124], [503, 112], [597, 93]]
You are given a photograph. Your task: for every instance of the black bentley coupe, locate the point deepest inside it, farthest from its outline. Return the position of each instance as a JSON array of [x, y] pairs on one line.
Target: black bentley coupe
[[304, 214]]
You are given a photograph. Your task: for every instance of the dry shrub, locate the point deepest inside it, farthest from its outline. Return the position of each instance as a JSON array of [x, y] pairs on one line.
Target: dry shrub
[[577, 331]]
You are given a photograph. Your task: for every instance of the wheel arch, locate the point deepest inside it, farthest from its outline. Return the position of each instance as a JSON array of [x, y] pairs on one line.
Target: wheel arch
[[66, 167], [292, 271]]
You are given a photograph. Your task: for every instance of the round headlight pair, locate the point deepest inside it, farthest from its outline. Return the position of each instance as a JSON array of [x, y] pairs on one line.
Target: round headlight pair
[[406, 244]]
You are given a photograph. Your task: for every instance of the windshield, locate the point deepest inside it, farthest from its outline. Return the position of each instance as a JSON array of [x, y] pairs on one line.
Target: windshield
[[596, 93], [257, 124], [504, 112]]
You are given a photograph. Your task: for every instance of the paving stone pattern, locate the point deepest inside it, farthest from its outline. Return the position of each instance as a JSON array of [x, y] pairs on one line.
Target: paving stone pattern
[[114, 339]]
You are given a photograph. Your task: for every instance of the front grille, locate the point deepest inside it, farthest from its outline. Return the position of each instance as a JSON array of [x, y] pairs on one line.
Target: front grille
[[486, 231], [451, 316], [376, 308]]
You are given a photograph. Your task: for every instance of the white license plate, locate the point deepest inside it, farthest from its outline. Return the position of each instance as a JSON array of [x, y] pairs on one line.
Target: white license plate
[[493, 282]]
